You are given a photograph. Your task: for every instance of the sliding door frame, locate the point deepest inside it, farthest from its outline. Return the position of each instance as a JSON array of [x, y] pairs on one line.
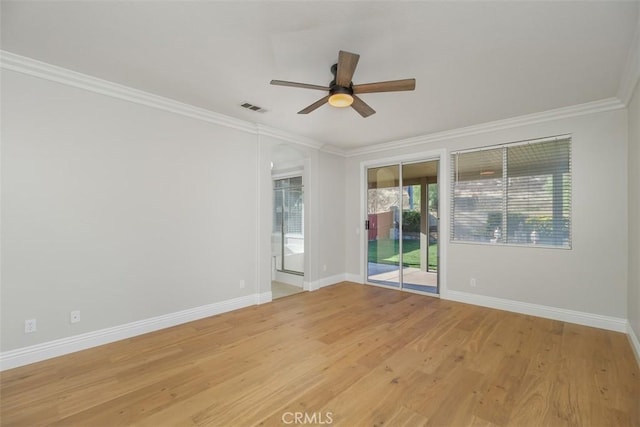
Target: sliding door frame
[[280, 274], [441, 156]]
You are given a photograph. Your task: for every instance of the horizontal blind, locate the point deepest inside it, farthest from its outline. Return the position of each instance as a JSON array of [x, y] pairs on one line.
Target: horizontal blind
[[288, 205], [477, 195], [519, 194]]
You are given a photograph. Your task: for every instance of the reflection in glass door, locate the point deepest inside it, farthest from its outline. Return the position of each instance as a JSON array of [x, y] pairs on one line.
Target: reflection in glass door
[[288, 225], [402, 218], [383, 219], [420, 226]]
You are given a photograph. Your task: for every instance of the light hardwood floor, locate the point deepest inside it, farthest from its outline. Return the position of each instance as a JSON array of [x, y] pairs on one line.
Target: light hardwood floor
[[349, 355]]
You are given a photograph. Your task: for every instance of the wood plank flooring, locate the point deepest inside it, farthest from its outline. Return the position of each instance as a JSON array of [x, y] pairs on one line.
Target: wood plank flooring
[[346, 355]]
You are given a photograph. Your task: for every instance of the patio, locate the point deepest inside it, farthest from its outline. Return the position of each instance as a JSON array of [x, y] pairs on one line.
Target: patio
[[413, 278]]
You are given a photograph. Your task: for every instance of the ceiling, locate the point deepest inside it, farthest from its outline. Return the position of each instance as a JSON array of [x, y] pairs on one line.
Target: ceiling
[[474, 62]]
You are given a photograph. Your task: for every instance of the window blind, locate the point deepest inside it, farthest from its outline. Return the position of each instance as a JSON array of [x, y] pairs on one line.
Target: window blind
[[513, 194]]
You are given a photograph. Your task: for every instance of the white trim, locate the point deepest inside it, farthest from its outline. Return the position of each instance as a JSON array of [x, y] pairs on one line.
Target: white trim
[[608, 104], [439, 155], [355, 278], [363, 216], [332, 149], [43, 70], [32, 67], [631, 73], [444, 216], [328, 281], [633, 340], [579, 317], [289, 278], [258, 234], [290, 174], [36, 353], [289, 137], [264, 297]]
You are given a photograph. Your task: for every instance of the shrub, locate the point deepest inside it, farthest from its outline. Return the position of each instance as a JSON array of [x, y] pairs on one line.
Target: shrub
[[410, 221]]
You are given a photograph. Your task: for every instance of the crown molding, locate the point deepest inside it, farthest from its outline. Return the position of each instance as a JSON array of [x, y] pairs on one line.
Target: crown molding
[[332, 149], [29, 66], [631, 73], [608, 104], [32, 67], [288, 137], [13, 62]]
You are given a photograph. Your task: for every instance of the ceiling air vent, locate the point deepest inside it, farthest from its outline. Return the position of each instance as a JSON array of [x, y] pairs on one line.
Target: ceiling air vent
[[253, 107]]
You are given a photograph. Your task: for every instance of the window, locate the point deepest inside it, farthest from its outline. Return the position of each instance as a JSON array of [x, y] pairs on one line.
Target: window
[[513, 194], [288, 204]]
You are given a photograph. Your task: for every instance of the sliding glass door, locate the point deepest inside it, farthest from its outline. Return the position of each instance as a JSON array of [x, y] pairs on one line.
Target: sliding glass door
[[402, 226], [383, 220]]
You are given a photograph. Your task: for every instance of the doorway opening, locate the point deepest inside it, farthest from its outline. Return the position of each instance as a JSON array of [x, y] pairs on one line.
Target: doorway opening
[[287, 240], [402, 226]]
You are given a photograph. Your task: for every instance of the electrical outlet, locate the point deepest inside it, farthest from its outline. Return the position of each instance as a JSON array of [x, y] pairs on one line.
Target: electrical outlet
[[472, 282], [74, 316], [241, 283], [29, 326], [324, 267]]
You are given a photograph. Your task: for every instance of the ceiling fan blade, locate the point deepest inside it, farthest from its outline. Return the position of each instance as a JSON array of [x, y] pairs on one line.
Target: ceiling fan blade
[[300, 85], [315, 105], [390, 86], [362, 107], [347, 63]]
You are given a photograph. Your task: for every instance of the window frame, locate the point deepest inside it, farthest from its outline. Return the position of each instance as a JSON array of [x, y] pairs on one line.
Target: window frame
[[504, 202]]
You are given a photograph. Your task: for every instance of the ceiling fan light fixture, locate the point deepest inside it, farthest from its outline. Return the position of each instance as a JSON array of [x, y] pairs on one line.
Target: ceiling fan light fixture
[[340, 100], [341, 89]]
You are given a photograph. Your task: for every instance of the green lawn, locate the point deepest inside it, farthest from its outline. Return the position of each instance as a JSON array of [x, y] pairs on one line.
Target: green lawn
[[386, 252]]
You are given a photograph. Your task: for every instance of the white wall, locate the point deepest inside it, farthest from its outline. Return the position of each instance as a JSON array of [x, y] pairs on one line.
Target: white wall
[[592, 277], [331, 216], [126, 212], [119, 210], [323, 175], [633, 297]]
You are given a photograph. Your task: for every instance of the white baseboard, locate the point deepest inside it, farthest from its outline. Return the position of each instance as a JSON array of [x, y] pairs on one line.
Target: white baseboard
[[635, 343], [289, 279], [36, 353], [264, 297], [581, 318], [326, 281], [39, 352], [355, 278]]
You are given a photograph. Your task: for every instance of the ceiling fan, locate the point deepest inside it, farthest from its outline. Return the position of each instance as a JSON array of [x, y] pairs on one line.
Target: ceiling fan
[[342, 91]]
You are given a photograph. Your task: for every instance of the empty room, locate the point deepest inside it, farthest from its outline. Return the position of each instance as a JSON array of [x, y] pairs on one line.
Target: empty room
[[350, 213]]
